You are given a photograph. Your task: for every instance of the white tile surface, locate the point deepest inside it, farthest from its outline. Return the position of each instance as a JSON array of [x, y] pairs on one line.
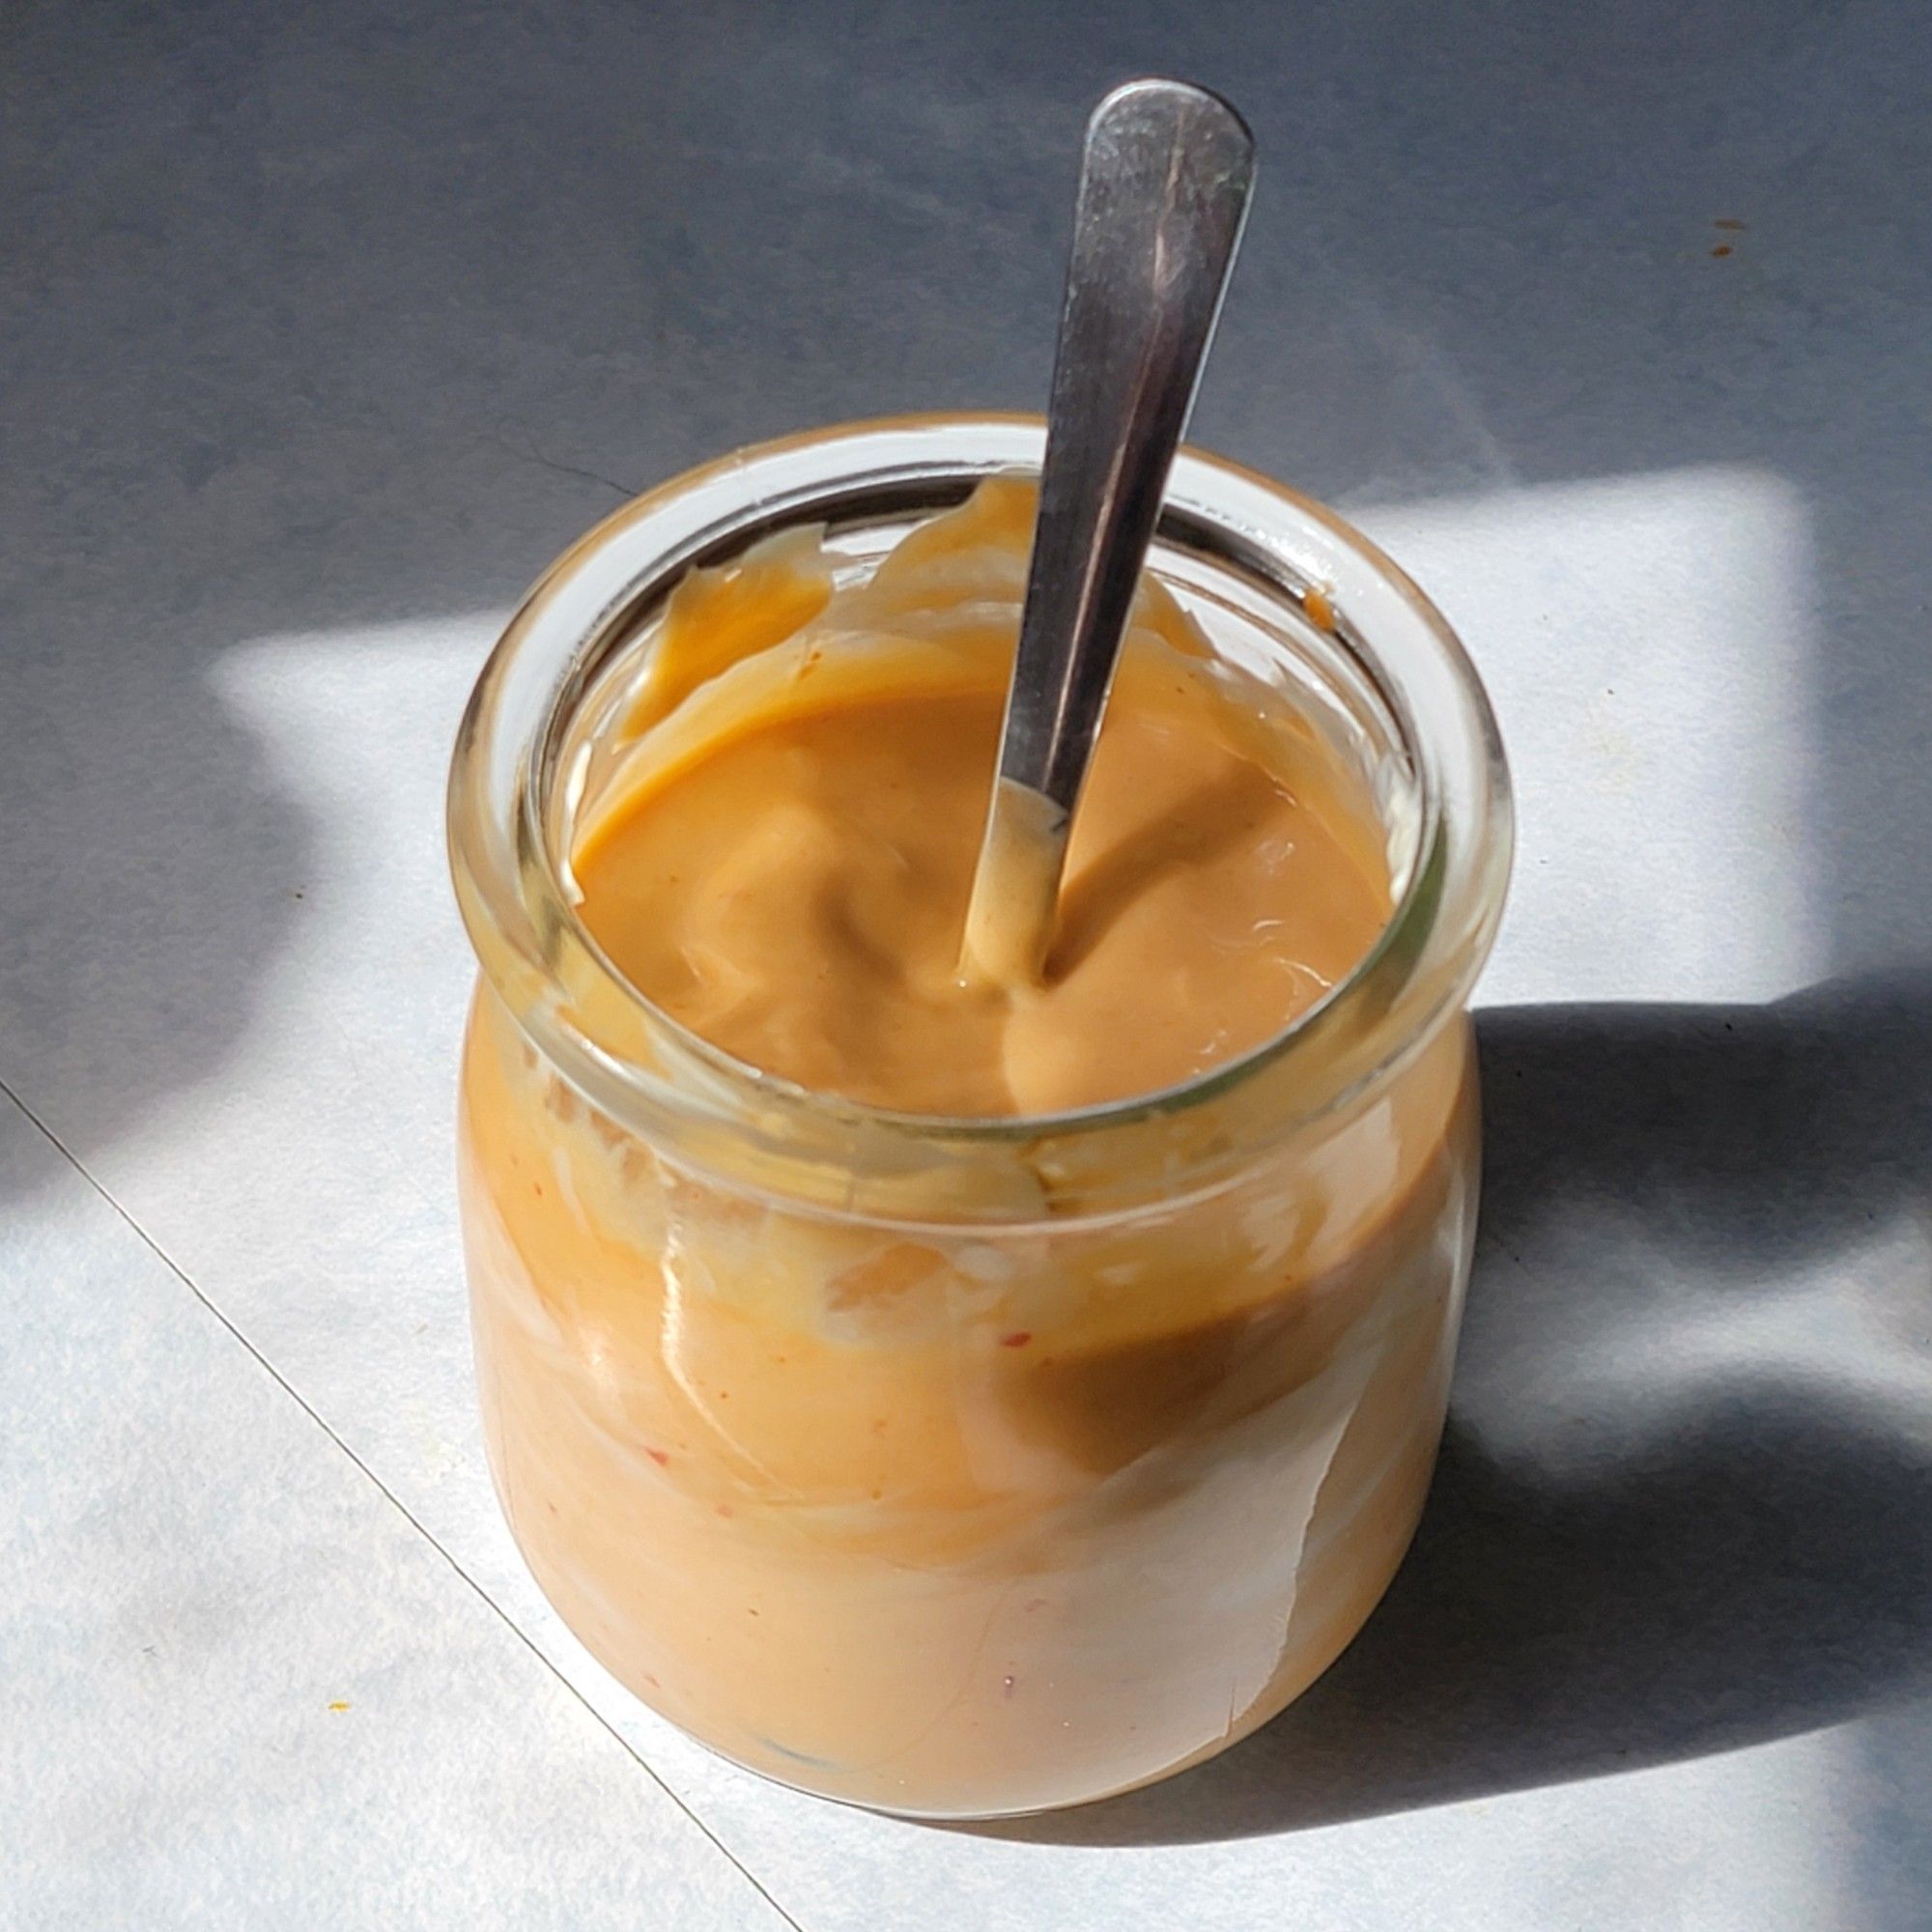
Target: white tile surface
[[316, 335], [242, 1688], [1650, 643]]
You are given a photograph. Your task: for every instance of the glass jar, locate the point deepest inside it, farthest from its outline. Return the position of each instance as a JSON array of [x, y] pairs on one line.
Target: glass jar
[[963, 1469]]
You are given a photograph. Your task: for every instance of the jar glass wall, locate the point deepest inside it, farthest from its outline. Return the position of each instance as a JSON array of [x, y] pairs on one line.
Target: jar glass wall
[[963, 1469]]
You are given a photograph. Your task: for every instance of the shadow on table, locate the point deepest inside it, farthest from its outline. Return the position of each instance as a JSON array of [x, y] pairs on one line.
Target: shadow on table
[[1683, 1504]]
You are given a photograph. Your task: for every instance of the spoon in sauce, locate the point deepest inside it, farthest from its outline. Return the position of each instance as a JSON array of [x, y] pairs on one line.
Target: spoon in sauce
[[1164, 183]]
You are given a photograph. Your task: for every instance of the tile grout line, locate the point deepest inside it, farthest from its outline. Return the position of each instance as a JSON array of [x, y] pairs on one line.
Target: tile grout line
[[394, 1501]]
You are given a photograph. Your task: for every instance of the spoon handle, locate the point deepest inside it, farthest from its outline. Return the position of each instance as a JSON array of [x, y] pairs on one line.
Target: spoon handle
[[1164, 185]]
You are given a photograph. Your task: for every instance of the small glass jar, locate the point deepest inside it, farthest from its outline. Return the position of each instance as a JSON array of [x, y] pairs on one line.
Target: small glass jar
[[968, 1469]]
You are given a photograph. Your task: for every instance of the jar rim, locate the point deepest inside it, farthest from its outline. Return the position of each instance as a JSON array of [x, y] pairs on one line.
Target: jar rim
[[634, 1058]]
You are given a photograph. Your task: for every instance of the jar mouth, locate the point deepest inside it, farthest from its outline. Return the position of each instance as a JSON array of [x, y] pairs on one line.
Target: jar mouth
[[608, 1037]]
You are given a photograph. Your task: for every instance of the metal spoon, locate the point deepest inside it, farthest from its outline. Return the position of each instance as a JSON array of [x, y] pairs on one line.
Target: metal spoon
[[1164, 184]]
